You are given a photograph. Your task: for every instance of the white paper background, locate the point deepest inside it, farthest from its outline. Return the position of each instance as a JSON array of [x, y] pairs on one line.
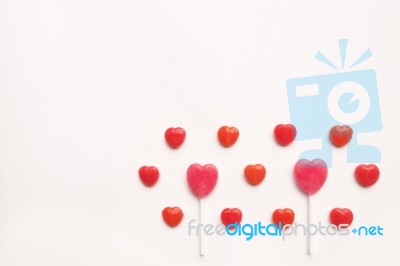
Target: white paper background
[[87, 89]]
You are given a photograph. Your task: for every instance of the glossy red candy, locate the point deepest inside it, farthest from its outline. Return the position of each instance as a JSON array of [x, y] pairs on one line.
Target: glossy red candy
[[283, 217], [148, 175], [231, 216], [255, 173], [227, 136], [175, 137], [172, 216], [343, 217], [285, 134], [340, 135], [367, 174]]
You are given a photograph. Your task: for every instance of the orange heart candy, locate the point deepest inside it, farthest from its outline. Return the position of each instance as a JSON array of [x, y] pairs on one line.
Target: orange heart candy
[[255, 174], [227, 136], [172, 216]]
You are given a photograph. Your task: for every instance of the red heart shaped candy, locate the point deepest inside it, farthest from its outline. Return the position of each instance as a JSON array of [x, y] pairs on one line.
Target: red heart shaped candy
[[172, 216], [175, 137], [149, 175], [341, 217], [340, 135], [255, 174], [367, 174], [231, 216], [283, 217], [227, 136], [285, 134]]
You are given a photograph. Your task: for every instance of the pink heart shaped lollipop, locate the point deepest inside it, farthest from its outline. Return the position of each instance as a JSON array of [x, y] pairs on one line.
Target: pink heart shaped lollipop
[[202, 179], [310, 175]]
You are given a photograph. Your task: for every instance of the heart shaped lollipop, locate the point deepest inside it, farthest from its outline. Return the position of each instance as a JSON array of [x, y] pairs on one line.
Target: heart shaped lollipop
[[202, 180], [310, 175]]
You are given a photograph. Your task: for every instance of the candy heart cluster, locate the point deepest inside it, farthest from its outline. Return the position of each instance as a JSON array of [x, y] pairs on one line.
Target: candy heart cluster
[[310, 175], [341, 217]]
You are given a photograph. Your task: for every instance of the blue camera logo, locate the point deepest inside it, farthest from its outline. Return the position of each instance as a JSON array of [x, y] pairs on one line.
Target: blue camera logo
[[316, 103]]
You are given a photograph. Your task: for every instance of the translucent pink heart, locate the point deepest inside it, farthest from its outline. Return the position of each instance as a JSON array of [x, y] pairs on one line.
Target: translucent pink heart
[[202, 179], [310, 175]]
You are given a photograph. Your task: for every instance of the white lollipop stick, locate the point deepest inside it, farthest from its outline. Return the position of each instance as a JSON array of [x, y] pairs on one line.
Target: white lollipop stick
[[309, 249], [201, 236]]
